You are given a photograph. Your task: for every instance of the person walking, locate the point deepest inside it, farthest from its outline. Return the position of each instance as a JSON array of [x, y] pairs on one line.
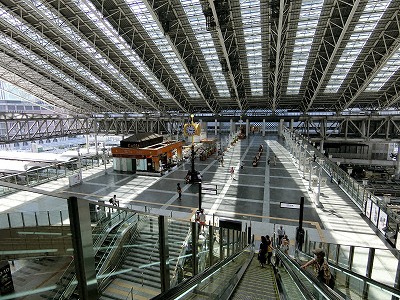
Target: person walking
[[114, 201], [274, 160], [281, 233], [202, 219], [321, 267], [232, 171], [179, 190], [262, 252]]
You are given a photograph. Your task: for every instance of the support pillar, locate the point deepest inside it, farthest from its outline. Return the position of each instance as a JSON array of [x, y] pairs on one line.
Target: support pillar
[[95, 137], [87, 143], [216, 128], [82, 243], [263, 128], [397, 171], [232, 127], [280, 127], [291, 124], [194, 249], [247, 127], [164, 253]]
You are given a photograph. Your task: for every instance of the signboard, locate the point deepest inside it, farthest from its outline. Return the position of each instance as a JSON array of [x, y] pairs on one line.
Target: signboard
[[6, 282], [230, 224], [368, 208], [290, 205], [210, 189], [374, 214], [382, 224], [75, 179]]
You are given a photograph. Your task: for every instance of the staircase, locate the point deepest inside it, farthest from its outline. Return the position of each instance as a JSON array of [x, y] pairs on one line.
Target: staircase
[[140, 271], [257, 283]]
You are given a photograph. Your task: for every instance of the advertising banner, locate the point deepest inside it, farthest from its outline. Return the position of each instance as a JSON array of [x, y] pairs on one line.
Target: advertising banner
[[6, 282]]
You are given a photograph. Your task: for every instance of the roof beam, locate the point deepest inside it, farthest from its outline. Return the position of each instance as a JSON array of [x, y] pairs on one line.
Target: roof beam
[[225, 52], [312, 91]]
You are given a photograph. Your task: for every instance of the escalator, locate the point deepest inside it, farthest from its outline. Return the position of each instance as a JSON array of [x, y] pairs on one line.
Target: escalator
[[241, 277], [257, 283]]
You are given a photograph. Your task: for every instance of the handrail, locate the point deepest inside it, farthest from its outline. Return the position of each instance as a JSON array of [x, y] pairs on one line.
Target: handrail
[[108, 273], [71, 286], [194, 281], [293, 266], [181, 259], [149, 264], [366, 280]]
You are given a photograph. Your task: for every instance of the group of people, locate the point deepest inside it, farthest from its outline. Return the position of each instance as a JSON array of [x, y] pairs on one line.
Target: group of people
[[320, 265]]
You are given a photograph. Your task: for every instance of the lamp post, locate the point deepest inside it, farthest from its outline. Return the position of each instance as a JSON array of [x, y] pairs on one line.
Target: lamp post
[[193, 174], [78, 150], [104, 159]]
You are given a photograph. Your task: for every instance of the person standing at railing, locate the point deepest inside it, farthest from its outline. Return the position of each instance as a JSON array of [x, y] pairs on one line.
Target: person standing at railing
[[321, 268]]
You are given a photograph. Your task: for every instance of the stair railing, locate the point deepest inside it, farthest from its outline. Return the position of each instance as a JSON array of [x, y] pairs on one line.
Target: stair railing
[[181, 259], [150, 261]]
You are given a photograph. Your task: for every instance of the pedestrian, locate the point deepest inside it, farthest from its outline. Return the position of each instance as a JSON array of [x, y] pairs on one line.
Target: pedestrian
[[321, 268], [269, 161], [274, 160], [285, 244], [269, 249], [179, 190], [202, 219], [241, 165], [232, 171], [281, 233], [262, 252], [114, 201]]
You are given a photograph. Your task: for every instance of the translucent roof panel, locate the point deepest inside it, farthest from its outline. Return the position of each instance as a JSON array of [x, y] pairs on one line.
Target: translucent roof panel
[[370, 17], [80, 42], [102, 23], [9, 91], [197, 20], [308, 20], [251, 19], [389, 69], [157, 36], [44, 65]]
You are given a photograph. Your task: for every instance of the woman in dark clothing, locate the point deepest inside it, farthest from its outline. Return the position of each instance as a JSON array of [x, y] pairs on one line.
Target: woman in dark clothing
[[262, 253]]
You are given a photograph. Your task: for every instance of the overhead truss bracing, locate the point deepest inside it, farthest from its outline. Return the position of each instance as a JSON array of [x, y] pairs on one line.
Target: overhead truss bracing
[[279, 16], [351, 128], [203, 56], [15, 127]]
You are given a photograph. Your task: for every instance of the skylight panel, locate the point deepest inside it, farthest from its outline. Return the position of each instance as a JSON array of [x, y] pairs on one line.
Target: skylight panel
[[197, 21], [387, 71], [110, 32], [42, 64], [155, 32], [368, 20], [310, 12], [251, 19]]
